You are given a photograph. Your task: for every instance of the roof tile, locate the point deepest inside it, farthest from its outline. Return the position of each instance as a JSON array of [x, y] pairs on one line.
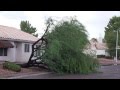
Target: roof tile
[[15, 34]]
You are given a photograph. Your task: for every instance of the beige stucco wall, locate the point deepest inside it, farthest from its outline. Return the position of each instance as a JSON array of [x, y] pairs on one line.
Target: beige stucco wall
[[10, 54], [100, 52], [18, 51], [17, 54], [25, 55]]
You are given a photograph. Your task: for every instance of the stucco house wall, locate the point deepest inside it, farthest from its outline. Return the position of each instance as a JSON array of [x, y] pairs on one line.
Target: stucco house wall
[[25, 55], [18, 39], [10, 54], [100, 52]]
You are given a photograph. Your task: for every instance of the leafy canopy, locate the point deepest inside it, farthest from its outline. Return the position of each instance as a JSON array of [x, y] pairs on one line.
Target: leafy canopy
[[66, 43], [27, 27], [111, 33]]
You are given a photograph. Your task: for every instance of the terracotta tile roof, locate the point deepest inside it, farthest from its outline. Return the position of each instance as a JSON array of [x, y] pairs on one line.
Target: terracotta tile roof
[[101, 46], [98, 45], [11, 33]]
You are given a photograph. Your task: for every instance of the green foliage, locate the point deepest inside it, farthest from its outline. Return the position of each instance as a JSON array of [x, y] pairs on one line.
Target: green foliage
[[64, 53], [110, 35], [26, 27], [11, 66]]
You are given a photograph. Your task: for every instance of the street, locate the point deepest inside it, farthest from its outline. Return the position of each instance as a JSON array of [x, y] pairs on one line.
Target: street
[[105, 72]]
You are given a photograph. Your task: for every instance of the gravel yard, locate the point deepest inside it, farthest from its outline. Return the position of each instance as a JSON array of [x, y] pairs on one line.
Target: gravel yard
[[8, 73]]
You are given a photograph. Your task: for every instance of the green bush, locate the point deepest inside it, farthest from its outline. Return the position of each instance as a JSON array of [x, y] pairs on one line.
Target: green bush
[[11, 66], [64, 52]]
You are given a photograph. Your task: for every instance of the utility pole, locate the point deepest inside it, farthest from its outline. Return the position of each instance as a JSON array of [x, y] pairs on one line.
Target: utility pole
[[116, 46]]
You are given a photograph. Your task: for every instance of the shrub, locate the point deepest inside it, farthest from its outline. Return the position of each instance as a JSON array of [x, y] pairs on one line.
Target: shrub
[[11, 66]]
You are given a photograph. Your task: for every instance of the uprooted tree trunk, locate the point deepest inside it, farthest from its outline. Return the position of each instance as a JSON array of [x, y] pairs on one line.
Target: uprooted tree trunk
[[39, 46]]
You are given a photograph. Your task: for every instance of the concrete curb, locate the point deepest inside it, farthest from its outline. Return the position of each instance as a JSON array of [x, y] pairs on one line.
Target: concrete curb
[[20, 77]]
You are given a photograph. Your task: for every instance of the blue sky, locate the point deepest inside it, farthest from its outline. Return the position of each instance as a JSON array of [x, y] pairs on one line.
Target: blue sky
[[94, 21]]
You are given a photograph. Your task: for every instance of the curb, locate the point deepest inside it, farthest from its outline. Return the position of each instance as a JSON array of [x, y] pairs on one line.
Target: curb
[[20, 77], [110, 64]]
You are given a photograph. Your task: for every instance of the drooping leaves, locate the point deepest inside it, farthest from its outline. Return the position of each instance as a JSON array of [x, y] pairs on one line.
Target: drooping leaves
[[64, 52]]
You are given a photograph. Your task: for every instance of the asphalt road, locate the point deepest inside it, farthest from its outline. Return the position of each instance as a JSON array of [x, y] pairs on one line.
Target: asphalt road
[[106, 72]]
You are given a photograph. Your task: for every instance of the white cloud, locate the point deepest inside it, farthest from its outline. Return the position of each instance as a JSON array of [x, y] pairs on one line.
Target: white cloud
[[11, 18], [8, 22], [36, 19], [94, 21]]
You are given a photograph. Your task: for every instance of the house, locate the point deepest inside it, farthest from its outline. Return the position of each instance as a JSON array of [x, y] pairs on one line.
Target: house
[[15, 45], [96, 47], [99, 46]]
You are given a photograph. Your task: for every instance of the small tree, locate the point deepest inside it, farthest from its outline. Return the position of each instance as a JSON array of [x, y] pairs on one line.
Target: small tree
[[26, 27], [64, 52]]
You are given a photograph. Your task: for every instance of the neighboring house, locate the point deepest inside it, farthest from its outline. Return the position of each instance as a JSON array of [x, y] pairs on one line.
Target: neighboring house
[[15, 45], [99, 47]]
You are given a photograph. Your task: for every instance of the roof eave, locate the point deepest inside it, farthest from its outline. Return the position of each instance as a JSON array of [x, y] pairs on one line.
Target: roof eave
[[18, 40]]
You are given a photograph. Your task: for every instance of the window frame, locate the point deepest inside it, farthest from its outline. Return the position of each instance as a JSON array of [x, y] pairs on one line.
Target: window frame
[[37, 52], [4, 51], [26, 48]]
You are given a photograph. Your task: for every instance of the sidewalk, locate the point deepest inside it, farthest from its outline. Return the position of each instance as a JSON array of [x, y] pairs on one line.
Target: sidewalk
[[104, 61], [26, 75]]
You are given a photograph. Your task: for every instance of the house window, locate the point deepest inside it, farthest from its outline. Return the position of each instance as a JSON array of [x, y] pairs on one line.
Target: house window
[[37, 52], [27, 47], [3, 51]]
